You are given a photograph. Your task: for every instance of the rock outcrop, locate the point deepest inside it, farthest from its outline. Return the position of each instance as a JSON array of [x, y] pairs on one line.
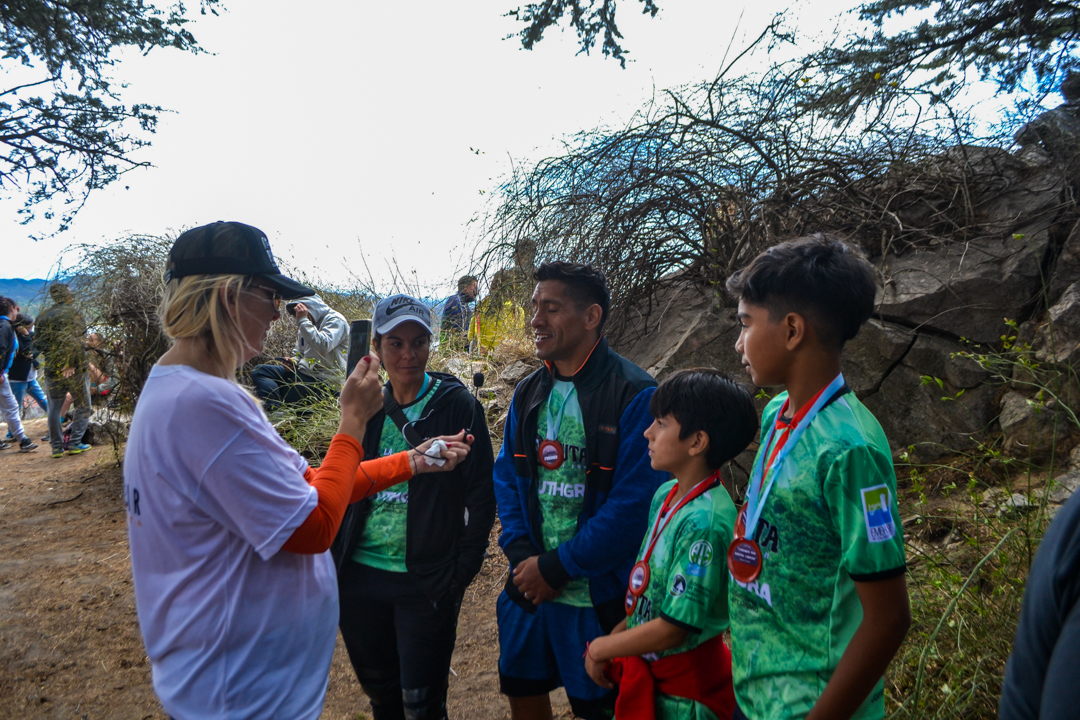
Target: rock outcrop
[[940, 305]]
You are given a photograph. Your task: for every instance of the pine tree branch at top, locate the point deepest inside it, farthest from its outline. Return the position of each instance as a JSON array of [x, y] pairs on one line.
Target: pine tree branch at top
[[589, 18], [1001, 40], [66, 132]]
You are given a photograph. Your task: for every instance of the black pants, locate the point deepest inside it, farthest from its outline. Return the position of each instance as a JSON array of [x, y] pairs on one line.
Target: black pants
[[276, 386], [399, 643]]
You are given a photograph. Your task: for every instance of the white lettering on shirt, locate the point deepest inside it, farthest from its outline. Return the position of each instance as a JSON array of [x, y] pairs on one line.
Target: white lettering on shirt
[[566, 490]]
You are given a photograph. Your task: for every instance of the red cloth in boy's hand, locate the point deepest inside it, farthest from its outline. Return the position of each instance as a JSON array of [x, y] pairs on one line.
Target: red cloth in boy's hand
[[702, 674]]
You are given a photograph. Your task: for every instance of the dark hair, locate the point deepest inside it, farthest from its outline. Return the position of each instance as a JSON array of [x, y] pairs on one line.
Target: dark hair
[[585, 284], [707, 399], [22, 320], [465, 282], [817, 276], [6, 305]]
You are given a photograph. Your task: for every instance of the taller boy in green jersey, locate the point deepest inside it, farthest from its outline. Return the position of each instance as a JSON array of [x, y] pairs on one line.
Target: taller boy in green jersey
[[819, 602]]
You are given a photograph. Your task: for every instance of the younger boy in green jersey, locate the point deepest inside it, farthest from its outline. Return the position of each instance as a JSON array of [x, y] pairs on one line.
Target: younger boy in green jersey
[[819, 602], [668, 657]]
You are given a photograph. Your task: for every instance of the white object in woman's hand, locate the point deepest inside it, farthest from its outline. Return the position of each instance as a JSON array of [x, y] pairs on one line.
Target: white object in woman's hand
[[455, 448]]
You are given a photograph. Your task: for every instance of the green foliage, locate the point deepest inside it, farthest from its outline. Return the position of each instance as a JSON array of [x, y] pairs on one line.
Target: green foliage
[[64, 130], [589, 19], [1002, 41], [967, 562]]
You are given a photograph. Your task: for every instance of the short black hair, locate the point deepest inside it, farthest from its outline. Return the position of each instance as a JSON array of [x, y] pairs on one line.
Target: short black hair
[[22, 320], [6, 305], [465, 282], [586, 284], [818, 276], [707, 399]]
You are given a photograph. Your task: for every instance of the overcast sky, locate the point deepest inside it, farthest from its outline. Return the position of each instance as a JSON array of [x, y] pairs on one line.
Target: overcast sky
[[347, 130]]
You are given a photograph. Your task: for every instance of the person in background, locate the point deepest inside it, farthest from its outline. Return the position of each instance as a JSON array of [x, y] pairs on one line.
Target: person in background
[[573, 484], [406, 556], [454, 326], [497, 316], [23, 374], [229, 527], [8, 407], [61, 337], [318, 366]]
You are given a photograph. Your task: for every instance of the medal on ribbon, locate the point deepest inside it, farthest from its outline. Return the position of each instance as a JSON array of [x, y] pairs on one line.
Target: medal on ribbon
[[640, 573], [550, 452], [744, 556]]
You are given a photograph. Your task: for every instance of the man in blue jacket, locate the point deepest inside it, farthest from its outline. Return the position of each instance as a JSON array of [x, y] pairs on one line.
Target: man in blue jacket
[[573, 483]]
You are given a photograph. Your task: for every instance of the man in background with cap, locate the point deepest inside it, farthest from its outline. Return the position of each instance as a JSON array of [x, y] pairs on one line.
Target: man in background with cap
[[318, 366], [454, 326]]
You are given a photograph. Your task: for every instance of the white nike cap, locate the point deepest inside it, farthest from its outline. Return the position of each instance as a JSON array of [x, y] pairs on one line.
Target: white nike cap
[[396, 309]]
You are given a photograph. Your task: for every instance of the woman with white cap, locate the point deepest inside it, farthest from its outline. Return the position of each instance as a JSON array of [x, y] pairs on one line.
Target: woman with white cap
[[406, 556], [229, 527]]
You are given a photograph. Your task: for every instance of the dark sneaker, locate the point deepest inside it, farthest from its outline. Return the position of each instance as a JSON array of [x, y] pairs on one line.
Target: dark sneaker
[[4, 445], [76, 448], [26, 445], [44, 438], [58, 453]]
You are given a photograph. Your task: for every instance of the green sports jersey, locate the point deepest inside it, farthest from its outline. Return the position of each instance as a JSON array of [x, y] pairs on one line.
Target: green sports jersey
[[382, 544], [562, 491], [688, 577], [830, 518]]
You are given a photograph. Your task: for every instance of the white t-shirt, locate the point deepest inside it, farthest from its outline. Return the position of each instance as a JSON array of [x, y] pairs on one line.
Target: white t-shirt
[[233, 627]]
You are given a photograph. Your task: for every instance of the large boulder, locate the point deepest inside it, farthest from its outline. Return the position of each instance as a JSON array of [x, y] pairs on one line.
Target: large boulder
[[1033, 430], [873, 353], [965, 289], [1066, 269], [686, 327], [932, 419], [1058, 340]]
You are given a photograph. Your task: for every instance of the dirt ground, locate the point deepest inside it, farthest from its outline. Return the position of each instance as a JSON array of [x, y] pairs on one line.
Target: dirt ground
[[69, 636]]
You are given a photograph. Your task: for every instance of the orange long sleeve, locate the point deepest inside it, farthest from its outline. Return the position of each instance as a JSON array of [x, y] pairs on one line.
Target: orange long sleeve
[[376, 475], [334, 481]]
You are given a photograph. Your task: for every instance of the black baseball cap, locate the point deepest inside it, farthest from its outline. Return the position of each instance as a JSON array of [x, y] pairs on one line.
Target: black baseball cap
[[230, 248]]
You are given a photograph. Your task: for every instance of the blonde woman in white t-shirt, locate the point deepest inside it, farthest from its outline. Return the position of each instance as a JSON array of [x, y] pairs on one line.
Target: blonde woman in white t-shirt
[[229, 527]]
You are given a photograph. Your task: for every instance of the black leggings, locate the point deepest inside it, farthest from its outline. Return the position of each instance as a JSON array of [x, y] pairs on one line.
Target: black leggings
[[399, 643]]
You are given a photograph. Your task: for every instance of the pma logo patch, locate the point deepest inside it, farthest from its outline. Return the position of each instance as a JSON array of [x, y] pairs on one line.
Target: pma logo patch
[[701, 553], [877, 512], [678, 586]]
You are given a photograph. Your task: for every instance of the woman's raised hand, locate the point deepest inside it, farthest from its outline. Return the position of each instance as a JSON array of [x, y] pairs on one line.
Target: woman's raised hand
[[456, 450], [361, 397]]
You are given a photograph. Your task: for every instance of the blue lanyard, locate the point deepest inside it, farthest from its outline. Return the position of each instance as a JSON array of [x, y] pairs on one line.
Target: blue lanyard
[[756, 495]]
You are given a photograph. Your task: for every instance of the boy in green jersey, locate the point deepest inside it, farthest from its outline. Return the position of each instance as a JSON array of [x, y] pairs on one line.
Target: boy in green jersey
[[819, 602], [668, 655]]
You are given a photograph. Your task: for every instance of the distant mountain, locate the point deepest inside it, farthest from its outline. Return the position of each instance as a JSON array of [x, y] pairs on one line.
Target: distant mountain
[[29, 294]]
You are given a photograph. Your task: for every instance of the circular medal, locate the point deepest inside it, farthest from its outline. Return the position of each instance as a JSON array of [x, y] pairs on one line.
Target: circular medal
[[639, 578], [551, 454], [631, 603], [744, 560]]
